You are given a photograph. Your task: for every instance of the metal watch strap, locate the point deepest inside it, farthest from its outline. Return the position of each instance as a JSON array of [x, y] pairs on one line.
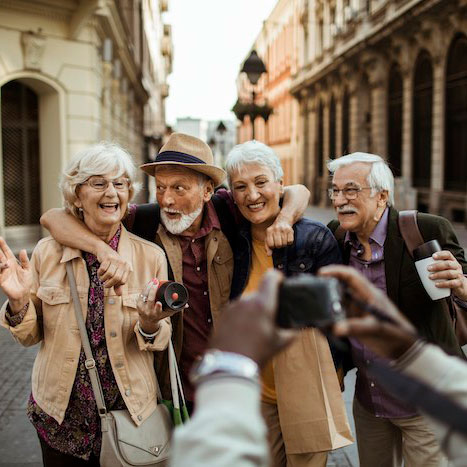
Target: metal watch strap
[[226, 363]]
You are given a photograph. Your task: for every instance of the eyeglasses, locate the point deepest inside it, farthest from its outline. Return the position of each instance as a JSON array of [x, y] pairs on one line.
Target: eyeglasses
[[349, 192], [101, 183]]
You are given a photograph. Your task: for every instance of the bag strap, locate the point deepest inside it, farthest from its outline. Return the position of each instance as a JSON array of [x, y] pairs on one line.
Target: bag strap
[[410, 232], [90, 363], [175, 379]]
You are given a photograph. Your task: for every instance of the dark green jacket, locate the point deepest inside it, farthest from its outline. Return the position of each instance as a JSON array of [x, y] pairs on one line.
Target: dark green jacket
[[403, 285]]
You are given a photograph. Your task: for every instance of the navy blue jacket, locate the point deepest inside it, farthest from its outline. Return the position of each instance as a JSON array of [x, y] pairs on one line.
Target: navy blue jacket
[[314, 246]]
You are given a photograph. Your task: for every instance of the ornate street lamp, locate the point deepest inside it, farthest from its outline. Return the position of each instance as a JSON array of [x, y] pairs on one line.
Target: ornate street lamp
[[254, 68]]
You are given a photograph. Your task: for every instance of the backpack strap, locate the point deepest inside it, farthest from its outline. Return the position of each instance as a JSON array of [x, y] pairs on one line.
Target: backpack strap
[[409, 230]]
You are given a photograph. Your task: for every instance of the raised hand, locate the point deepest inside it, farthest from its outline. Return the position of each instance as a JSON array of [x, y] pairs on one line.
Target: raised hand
[[15, 276]]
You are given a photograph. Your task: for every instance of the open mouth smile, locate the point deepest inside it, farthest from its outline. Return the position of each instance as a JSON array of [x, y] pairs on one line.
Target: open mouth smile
[[256, 206], [109, 207]]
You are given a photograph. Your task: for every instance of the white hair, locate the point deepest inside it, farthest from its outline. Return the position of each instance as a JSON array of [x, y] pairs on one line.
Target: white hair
[[253, 152], [104, 158], [380, 177]]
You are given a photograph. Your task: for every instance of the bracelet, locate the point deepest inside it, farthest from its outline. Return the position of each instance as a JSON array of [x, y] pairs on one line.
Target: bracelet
[[145, 334]]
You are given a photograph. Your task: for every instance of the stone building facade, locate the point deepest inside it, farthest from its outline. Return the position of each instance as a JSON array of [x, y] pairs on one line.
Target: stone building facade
[[387, 77], [277, 46], [72, 73]]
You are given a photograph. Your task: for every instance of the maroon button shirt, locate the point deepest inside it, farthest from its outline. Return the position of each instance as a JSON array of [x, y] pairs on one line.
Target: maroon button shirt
[[197, 320]]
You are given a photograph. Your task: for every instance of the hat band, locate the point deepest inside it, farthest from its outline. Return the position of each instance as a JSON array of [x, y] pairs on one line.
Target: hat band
[[175, 156]]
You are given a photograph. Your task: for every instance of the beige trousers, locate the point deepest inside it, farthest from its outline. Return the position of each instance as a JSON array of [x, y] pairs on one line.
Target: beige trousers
[[384, 442], [279, 458]]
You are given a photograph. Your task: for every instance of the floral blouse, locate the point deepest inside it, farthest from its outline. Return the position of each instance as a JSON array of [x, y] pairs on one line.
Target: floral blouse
[[79, 435]]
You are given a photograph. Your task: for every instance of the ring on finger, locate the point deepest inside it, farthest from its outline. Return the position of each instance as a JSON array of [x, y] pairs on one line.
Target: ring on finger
[[144, 298]]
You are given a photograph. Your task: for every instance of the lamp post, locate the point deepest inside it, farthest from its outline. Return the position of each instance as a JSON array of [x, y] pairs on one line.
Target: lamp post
[[254, 68]]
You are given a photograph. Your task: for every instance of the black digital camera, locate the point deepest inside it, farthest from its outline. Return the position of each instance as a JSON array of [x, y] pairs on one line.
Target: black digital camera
[[309, 301]]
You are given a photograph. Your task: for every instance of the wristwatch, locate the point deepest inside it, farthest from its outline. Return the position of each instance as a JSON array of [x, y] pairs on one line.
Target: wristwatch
[[219, 363]]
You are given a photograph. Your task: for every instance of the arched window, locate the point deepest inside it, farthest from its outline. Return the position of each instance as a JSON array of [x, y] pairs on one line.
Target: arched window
[[455, 159], [422, 120], [394, 149], [332, 128], [20, 148], [346, 122], [320, 140]]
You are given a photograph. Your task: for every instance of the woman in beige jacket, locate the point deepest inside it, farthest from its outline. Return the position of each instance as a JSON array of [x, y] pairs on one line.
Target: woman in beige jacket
[[123, 326]]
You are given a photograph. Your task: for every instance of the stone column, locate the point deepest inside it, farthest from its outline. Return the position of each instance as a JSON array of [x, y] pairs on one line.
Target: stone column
[[378, 119], [303, 137], [407, 119], [339, 97], [312, 138], [437, 138]]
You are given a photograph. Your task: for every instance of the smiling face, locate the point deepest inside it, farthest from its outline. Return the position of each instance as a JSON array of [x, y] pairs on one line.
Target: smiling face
[[360, 215], [102, 210], [256, 193], [181, 195]]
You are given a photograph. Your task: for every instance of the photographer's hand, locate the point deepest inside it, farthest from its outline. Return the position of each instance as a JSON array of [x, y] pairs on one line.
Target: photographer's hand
[[389, 337], [248, 325]]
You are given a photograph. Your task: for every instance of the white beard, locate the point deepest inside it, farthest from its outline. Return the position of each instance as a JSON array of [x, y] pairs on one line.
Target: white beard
[[176, 227]]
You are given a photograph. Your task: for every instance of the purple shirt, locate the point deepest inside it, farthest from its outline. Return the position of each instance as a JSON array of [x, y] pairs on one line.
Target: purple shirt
[[367, 391]]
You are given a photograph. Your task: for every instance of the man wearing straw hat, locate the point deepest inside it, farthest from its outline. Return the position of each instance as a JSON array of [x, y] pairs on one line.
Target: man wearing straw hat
[[194, 230]]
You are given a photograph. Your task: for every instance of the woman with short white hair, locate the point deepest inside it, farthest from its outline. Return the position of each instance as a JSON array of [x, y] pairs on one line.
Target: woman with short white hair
[[123, 326], [301, 400]]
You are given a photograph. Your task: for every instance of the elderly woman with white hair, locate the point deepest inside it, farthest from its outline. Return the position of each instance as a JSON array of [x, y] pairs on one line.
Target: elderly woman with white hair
[[123, 326], [301, 400]]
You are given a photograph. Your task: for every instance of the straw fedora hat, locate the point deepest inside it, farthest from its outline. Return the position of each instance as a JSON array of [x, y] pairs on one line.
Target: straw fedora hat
[[190, 152]]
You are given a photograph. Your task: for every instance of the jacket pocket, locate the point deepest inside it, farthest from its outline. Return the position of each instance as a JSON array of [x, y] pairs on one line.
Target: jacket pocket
[[223, 269], [53, 295]]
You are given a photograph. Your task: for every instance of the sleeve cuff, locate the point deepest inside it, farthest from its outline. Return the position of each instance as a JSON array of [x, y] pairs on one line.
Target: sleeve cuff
[[160, 341], [408, 356], [15, 319]]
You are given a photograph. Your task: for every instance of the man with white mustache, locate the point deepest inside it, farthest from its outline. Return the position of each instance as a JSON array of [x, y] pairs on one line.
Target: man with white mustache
[[368, 235], [193, 226]]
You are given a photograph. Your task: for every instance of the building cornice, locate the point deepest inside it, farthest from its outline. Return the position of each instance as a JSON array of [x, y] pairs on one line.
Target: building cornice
[[309, 75]]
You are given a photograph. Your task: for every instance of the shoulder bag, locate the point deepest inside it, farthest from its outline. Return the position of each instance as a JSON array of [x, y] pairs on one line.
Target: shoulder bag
[[123, 443], [413, 238]]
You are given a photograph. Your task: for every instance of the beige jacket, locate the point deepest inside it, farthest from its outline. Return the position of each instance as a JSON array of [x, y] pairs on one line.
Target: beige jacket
[[50, 320], [309, 400]]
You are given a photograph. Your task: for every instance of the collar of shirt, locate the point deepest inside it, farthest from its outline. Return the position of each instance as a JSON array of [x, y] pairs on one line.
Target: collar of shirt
[[210, 221], [378, 235], [91, 259]]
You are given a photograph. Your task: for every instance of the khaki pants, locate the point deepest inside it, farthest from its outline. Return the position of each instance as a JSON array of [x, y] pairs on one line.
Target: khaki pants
[[279, 458], [384, 442]]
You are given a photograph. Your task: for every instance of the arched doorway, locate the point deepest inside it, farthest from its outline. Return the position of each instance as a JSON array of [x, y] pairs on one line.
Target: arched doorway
[[32, 154], [455, 160], [20, 150], [394, 149], [422, 121], [364, 117]]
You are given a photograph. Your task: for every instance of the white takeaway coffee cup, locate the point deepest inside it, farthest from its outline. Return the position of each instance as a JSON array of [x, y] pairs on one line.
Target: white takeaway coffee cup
[[423, 258]]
